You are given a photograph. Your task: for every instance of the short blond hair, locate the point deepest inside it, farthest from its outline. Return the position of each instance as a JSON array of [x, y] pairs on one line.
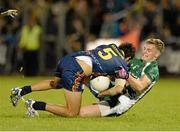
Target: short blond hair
[[158, 43]]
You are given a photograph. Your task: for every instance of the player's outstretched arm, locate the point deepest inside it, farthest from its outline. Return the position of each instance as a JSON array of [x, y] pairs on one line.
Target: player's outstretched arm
[[10, 12], [119, 85]]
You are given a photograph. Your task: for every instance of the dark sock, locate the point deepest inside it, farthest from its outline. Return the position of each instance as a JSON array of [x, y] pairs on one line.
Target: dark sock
[[26, 90], [39, 105]]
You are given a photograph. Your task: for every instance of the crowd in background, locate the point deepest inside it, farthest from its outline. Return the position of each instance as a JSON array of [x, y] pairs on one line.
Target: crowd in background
[[46, 30]]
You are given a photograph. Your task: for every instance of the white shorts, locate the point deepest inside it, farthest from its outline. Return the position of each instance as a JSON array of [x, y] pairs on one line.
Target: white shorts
[[86, 60], [124, 104]]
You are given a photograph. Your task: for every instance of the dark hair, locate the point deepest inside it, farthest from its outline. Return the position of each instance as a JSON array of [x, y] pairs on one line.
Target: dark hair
[[128, 49]]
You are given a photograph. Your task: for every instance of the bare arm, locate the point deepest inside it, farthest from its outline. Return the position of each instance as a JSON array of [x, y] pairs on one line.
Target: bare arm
[[119, 85], [140, 84], [111, 92]]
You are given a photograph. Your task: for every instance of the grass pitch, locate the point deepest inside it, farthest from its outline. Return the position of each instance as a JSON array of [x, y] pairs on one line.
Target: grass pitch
[[159, 110]]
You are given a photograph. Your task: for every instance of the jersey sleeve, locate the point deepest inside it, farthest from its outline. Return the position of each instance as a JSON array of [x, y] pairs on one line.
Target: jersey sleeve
[[152, 73]]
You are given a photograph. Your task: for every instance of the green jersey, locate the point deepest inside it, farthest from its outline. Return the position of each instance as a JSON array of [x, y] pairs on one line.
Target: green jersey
[[137, 69]]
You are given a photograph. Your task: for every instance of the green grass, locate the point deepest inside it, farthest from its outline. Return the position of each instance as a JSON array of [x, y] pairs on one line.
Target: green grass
[[159, 110]]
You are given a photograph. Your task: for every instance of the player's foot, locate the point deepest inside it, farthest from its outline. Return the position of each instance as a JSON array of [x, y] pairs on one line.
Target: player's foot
[[31, 112], [15, 96]]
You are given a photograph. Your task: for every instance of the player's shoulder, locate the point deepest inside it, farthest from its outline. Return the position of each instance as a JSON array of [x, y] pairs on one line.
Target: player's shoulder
[[153, 66], [111, 44], [101, 46], [152, 71], [105, 46]]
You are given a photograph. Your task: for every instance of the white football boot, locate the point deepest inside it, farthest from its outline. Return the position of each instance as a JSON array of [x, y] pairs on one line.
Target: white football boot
[[15, 96], [31, 112]]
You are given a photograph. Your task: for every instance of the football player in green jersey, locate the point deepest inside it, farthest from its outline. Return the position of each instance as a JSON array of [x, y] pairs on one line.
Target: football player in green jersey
[[143, 74]]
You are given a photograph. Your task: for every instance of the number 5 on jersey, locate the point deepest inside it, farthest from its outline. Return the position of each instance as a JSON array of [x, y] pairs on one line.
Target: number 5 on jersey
[[106, 53]]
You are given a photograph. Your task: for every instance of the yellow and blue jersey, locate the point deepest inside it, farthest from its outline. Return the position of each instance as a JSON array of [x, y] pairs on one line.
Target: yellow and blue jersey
[[105, 59]]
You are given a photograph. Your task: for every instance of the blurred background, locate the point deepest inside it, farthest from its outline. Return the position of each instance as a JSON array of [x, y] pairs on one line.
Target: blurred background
[[46, 30]]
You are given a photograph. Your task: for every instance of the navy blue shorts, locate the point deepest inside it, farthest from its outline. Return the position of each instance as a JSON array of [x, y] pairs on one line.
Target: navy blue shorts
[[71, 74]]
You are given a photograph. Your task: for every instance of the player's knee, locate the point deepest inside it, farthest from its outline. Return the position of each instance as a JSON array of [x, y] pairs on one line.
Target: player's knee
[[53, 84], [72, 114]]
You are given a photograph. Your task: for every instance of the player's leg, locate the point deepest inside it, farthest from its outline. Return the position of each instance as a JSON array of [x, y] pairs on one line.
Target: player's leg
[[45, 85], [107, 108], [90, 111], [73, 84], [73, 104], [73, 90], [17, 93], [96, 110], [72, 80], [72, 77]]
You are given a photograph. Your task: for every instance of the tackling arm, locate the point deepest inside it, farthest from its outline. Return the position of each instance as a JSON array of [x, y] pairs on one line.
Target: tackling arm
[[111, 92], [119, 85]]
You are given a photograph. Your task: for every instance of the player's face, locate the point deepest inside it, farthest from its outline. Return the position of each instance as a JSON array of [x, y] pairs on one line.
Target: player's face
[[150, 53]]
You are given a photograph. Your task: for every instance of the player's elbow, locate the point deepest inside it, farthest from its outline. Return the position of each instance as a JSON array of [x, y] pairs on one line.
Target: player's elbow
[[53, 84]]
